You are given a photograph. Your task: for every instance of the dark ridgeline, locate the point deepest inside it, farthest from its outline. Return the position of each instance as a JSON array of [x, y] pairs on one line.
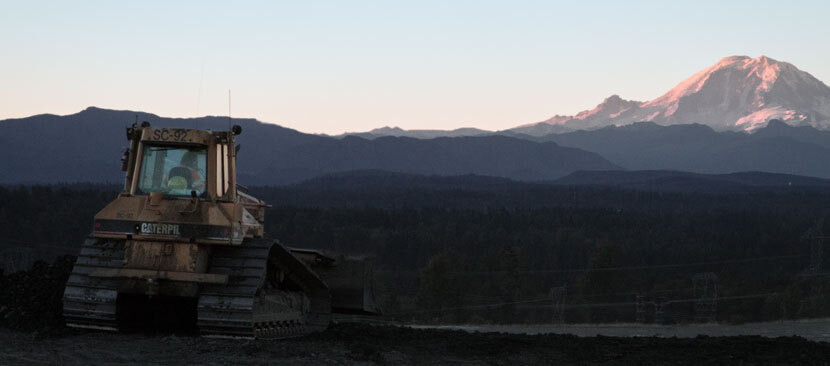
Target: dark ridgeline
[[776, 148], [86, 147], [685, 182]]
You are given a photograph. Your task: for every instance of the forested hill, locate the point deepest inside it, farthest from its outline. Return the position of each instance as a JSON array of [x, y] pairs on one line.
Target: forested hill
[[675, 181], [389, 189], [87, 146], [775, 148], [510, 245]]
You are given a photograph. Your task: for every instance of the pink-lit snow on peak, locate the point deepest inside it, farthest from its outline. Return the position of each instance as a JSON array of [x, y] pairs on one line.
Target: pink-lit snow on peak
[[758, 118], [612, 106], [735, 93], [762, 67], [559, 119]]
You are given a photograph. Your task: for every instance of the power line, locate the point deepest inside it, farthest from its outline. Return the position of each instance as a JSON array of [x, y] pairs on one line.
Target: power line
[[38, 246], [576, 306], [620, 268], [483, 306], [18, 241], [664, 266]]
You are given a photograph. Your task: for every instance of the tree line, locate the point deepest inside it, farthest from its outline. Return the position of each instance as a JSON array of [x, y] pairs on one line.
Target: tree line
[[455, 255]]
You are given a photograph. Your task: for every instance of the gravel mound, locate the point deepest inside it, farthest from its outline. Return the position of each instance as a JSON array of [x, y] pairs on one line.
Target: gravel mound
[[32, 300]]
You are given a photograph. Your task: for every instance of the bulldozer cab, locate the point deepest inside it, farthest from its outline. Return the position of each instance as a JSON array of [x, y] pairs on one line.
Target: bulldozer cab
[[180, 185], [181, 163], [173, 171]]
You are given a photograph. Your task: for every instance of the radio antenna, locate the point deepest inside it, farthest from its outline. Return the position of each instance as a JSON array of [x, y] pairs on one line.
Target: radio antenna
[[229, 109]]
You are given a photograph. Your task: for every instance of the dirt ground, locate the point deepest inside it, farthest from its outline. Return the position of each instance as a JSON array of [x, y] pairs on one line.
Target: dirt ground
[[32, 332], [357, 344]]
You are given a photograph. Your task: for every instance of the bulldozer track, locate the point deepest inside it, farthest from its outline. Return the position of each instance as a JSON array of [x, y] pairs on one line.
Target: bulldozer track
[[230, 309], [90, 302], [226, 310]]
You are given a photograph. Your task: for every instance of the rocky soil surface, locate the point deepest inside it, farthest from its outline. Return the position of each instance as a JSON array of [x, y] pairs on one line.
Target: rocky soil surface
[[32, 300], [355, 344]]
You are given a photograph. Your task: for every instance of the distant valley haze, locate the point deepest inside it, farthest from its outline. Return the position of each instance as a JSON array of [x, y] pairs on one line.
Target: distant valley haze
[[333, 67], [740, 114], [530, 92], [738, 93]]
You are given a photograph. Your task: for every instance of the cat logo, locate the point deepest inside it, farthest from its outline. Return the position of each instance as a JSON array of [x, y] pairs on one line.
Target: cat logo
[[160, 229]]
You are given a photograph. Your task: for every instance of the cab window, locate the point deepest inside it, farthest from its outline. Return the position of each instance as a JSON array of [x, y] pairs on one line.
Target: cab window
[[174, 171]]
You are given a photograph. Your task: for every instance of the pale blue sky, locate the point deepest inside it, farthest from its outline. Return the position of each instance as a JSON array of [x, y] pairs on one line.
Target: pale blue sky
[[334, 66]]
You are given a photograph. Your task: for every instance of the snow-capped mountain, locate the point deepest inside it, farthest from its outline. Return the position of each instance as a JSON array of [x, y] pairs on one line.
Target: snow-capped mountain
[[418, 134], [737, 93]]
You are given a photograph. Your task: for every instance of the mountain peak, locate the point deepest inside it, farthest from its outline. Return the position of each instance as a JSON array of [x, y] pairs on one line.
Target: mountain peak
[[757, 74], [611, 107], [745, 61], [91, 109], [387, 130], [613, 99], [736, 93]]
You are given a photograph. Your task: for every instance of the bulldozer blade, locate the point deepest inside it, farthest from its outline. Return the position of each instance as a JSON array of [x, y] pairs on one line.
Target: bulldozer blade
[[349, 278]]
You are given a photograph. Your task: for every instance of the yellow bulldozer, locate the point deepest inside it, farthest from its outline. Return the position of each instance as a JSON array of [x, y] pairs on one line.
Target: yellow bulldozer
[[184, 244]]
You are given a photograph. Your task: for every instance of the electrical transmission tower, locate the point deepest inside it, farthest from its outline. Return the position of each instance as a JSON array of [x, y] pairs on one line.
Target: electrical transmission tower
[[814, 275], [17, 259], [816, 255], [706, 296], [557, 296], [815, 236], [660, 310], [640, 308]]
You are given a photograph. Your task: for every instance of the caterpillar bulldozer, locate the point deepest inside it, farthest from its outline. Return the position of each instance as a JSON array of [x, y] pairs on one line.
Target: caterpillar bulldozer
[[184, 244]]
